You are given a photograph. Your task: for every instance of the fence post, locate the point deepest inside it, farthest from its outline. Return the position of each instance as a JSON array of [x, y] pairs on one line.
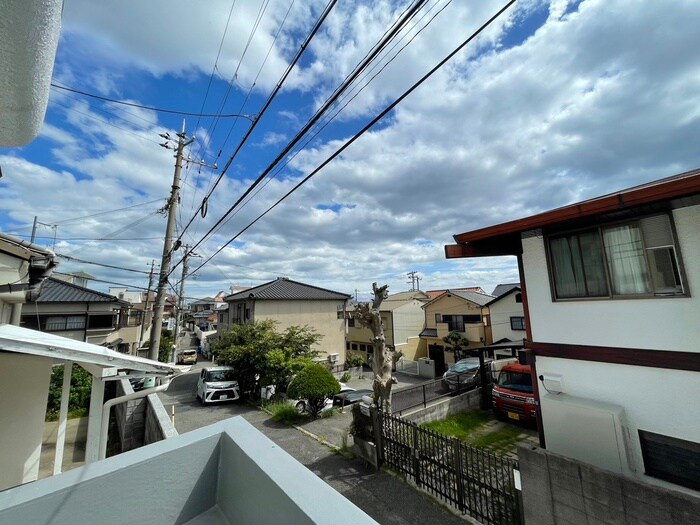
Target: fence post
[[457, 452], [425, 403], [377, 430], [416, 454]]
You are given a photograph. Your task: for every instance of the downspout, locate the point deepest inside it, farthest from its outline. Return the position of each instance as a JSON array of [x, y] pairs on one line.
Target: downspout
[[16, 314], [116, 401]]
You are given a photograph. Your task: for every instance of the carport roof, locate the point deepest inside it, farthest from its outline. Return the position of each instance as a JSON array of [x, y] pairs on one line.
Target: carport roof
[[32, 342]]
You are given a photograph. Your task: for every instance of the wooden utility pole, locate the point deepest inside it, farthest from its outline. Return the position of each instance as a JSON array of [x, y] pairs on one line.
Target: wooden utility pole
[[168, 244], [148, 303], [180, 300]]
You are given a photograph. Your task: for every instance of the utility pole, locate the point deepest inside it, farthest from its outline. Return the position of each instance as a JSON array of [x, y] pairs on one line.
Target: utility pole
[[157, 326], [412, 276], [148, 300], [33, 230], [180, 300]]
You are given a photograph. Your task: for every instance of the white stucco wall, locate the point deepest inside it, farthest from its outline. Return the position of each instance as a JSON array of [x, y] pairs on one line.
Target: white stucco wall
[[655, 323], [322, 316], [409, 320], [24, 389], [657, 400], [501, 312]]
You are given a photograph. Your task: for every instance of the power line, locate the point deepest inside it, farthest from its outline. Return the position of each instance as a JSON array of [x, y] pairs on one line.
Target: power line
[[72, 239], [109, 282], [63, 221], [404, 19], [269, 100], [151, 108], [369, 125], [83, 261]]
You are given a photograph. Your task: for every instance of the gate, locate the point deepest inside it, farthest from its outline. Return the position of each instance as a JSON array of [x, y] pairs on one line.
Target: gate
[[473, 480]]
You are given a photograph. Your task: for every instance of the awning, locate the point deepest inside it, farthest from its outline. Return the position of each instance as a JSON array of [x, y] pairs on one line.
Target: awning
[[26, 341]]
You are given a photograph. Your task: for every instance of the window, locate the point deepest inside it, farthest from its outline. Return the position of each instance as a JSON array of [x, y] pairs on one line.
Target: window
[[70, 322], [632, 258], [101, 321], [517, 323], [457, 322], [518, 297], [438, 318], [351, 323], [670, 459], [354, 346]]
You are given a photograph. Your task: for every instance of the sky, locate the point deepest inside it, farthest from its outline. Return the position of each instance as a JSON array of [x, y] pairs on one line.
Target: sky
[[554, 103]]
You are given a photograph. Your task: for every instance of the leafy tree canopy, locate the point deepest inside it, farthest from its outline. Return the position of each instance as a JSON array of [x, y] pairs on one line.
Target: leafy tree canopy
[[457, 344], [80, 388], [259, 353], [315, 384]]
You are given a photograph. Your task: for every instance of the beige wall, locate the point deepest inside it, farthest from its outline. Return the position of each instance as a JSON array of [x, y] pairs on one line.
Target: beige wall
[[24, 390], [413, 349], [500, 314], [322, 316]]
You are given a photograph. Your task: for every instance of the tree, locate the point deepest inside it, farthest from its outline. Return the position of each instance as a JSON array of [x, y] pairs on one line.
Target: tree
[[384, 357], [167, 340], [259, 353], [315, 384], [80, 388], [457, 344]]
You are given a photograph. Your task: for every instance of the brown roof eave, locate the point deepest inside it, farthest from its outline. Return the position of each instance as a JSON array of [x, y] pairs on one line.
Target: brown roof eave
[[678, 186], [495, 247]]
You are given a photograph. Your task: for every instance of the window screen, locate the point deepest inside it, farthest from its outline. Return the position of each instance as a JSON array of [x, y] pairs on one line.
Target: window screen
[[671, 459]]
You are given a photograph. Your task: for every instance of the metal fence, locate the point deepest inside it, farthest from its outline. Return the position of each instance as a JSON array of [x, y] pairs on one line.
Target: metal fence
[[474, 480], [421, 395]]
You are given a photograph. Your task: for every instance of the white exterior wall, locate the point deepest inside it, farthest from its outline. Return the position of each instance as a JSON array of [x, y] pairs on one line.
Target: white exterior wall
[[501, 312], [322, 316], [655, 323], [24, 390], [659, 400], [409, 320]]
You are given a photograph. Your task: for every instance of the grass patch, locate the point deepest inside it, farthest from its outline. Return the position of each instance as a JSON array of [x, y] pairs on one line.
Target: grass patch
[[502, 439], [460, 425], [283, 412]]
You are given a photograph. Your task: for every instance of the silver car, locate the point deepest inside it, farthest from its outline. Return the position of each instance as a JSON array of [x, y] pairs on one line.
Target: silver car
[[217, 384], [464, 374]]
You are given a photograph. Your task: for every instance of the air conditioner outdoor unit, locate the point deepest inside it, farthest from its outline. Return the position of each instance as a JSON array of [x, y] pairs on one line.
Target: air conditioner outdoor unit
[[333, 358]]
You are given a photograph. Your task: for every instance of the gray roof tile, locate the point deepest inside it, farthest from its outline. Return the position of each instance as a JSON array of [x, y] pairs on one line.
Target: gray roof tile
[[56, 291], [287, 289]]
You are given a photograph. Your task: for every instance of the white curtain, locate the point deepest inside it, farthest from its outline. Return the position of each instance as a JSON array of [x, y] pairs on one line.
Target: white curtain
[[625, 253]]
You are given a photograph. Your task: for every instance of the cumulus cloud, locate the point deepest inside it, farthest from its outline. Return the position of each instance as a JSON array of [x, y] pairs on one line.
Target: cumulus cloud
[[557, 103]]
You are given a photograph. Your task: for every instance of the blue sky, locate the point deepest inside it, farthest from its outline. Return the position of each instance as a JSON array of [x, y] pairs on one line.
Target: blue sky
[[556, 102]]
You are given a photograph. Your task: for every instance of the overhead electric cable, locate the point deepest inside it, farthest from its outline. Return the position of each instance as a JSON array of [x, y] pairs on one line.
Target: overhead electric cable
[[83, 217], [152, 108], [406, 17], [110, 282], [269, 100], [369, 125], [83, 261]]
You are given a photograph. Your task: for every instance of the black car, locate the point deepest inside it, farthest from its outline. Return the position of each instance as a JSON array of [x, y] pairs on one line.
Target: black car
[[464, 374], [349, 398]]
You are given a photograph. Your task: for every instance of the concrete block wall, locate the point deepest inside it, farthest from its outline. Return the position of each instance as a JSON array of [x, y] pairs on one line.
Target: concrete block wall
[[158, 425], [130, 417], [557, 490], [446, 407]]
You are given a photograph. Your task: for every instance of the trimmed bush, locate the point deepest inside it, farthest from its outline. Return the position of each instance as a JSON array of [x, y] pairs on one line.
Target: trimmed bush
[[314, 384]]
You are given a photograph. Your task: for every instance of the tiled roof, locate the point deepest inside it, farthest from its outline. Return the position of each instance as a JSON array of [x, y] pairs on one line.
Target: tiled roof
[[282, 288], [503, 288], [513, 290], [56, 291], [407, 296], [429, 332], [475, 297], [432, 294]]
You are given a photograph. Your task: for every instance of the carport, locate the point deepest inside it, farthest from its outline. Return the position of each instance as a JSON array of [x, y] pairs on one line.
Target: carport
[[513, 346]]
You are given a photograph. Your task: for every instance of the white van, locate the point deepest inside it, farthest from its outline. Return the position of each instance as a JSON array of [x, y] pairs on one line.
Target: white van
[[217, 384]]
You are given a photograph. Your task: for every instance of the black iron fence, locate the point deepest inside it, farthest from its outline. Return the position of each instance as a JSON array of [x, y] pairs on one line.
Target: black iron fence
[[421, 395], [474, 480]]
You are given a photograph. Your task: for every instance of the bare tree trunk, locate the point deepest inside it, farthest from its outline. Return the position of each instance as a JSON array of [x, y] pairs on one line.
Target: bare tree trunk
[[382, 361]]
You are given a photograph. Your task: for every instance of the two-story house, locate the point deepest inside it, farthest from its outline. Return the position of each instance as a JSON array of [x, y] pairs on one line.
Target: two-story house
[[504, 316], [291, 303], [453, 311], [403, 319], [611, 296]]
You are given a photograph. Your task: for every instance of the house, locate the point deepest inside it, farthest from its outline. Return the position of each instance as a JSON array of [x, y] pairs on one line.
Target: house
[[403, 319], [205, 311], [82, 314], [503, 288], [611, 297], [291, 303], [504, 317], [453, 310], [432, 294]]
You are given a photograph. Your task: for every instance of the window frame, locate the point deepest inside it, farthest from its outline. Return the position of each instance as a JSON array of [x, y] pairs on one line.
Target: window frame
[[599, 229], [522, 323]]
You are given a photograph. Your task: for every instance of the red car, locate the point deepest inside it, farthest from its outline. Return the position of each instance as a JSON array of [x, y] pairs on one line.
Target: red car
[[512, 395]]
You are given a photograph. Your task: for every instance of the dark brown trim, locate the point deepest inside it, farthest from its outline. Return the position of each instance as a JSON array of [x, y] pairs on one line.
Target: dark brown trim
[[532, 361], [682, 185], [484, 249], [669, 359]]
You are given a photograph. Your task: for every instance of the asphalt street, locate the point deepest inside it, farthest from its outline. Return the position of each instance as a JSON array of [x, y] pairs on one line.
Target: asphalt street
[[385, 497]]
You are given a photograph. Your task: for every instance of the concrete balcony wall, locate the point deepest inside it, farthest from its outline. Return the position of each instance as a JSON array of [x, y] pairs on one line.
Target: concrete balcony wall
[[220, 474]]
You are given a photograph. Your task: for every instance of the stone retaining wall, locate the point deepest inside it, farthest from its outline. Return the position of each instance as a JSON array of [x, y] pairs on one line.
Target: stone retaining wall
[[445, 407]]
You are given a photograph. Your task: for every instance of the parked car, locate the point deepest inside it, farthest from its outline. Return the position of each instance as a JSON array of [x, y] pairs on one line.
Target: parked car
[[464, 374], [217, 384], [350, 397], [300, 404], [512, 395], [187, 357]]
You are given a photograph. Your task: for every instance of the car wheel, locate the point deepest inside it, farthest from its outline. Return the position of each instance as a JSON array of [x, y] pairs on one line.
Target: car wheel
[[301, 407]]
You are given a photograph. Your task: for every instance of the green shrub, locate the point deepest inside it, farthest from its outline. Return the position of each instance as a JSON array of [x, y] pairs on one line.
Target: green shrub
[[353, 360], [315, 384], [346, 377]]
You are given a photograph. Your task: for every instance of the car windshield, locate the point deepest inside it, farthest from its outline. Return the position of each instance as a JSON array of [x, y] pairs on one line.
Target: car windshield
[[464, 366], [220, 375], [516, 381]]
